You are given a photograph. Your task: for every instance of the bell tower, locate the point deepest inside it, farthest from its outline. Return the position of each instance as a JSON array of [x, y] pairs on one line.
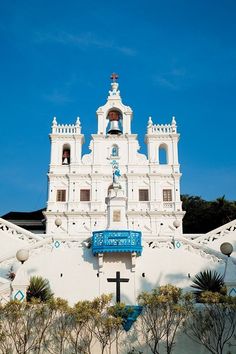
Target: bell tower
[[66, 150], [162, 145], [114, 112], [66, 144]]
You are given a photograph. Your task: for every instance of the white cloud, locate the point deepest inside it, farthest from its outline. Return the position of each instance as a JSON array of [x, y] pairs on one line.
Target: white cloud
[[57, 97], [83, 41], [171, 79], [164, 82]]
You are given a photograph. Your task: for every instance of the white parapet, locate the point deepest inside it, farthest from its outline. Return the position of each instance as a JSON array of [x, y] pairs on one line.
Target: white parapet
[[66, 128], [161, 129]]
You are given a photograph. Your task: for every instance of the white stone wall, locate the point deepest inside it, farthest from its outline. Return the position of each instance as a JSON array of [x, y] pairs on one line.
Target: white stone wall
[[74, 273]]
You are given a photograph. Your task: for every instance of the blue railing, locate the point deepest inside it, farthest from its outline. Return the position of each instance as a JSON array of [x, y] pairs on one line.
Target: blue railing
[[116, 241]]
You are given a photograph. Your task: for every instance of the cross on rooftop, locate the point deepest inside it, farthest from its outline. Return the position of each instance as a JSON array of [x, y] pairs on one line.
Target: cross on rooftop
[[114, 77], [117, 280]]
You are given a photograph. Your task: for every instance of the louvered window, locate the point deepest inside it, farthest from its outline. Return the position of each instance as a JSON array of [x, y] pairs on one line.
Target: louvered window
[[84, 195], [167, 195], [143, 195], [61, 195]]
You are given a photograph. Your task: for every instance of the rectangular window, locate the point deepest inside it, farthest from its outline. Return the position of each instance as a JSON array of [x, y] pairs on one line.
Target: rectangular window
[[61, 195], [143, 195], [85, 195], [167, 195]]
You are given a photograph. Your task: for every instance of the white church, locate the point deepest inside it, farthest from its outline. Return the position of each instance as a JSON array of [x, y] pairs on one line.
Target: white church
[[113, 216]]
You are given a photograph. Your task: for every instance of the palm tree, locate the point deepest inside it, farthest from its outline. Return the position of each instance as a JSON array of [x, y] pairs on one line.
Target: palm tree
[[39, 288], [224, 211], [208, 281], [202, 216], [196, 219]]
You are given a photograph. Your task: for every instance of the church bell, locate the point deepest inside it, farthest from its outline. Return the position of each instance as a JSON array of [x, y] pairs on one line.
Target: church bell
[[114, 127], [114, 117]]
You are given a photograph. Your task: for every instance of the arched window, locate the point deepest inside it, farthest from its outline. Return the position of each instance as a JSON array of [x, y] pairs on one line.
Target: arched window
[[114, 151], [163, 154], [66, 154]]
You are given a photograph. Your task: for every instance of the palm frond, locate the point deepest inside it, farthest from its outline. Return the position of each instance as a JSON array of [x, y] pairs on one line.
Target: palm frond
[[39, 288], [208, 281]]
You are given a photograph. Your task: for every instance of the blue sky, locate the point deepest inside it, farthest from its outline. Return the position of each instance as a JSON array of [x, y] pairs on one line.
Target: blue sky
[[173, 57]]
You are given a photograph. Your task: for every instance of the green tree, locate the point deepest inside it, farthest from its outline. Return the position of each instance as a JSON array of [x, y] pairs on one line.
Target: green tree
[[39, 288], [121, 313], [105, 326], [21, 327], [45, 317], [80, 335], [213, 323], [6, 342], [196, 219], [223, 211], [203, 216], [60, 327], [164, 311]]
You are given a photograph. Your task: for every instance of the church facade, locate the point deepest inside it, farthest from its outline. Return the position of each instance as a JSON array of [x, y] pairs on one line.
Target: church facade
[[113, 216], [79, 185]]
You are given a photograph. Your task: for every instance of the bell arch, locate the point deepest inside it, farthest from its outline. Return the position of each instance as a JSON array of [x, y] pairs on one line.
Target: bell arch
[[115, 117], [66, 154], [163, 154]]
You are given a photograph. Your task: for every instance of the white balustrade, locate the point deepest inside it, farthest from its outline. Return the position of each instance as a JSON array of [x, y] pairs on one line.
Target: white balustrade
[[219, 232], [18, 232], [180, 242], [168, 205], [69, 129], [161, 129]]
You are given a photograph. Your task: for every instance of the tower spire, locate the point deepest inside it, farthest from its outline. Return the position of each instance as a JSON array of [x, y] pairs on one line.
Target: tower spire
[[115, 93]]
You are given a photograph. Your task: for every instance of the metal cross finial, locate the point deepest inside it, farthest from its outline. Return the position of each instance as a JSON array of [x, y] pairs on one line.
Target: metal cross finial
[[114, 77]]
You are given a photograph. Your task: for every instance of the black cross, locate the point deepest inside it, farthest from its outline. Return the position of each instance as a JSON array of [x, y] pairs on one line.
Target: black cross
[[117, 280]]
